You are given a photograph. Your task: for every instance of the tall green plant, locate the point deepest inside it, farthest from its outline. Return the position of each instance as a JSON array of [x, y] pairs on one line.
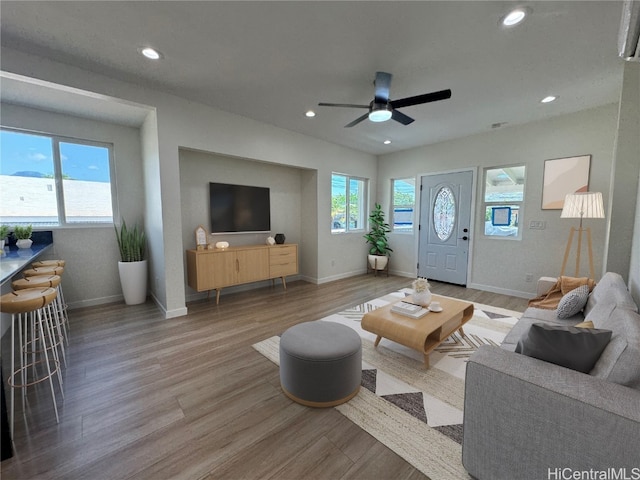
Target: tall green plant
[[131, 243], [4, 231], [377, 236]]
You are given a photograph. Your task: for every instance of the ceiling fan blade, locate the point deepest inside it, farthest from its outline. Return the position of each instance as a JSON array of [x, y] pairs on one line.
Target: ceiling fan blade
[[418, 99], [401, 117], [382, 84], [348, 105], [357, 121]]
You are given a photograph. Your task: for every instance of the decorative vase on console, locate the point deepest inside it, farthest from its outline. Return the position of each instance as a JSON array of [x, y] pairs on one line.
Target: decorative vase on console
[[279, 238], [421, 292]]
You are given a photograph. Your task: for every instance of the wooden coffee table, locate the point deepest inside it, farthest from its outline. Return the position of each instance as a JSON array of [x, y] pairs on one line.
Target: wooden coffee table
[[422, 334]]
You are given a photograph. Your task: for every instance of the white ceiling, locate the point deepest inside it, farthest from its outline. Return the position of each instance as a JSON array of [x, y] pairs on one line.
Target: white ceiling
[[272, 61]]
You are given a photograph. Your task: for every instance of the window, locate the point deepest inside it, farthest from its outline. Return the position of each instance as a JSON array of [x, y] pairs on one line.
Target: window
[[348, 207], [503, 201], [403, 204], [49, 180]]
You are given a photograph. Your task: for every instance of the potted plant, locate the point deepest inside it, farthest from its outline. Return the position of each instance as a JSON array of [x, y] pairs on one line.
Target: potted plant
[[23, 236], [133, 265], [377, 238], [4, 231]]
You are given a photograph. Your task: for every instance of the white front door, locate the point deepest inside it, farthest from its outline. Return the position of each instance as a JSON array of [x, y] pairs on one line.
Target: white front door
[[445, 213]]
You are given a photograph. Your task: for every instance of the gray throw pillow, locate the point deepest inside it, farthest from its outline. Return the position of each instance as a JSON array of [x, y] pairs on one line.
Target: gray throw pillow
[[573, 302], [570, 347]]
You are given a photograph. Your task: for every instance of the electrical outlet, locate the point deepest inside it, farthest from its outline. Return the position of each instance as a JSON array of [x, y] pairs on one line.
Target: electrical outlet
[[537, 225], [529, 277]]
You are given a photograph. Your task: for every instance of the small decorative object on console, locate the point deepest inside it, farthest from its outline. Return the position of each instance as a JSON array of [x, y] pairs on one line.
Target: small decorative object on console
[[222, 245], [201, 238], [271, 241], [280, 238]]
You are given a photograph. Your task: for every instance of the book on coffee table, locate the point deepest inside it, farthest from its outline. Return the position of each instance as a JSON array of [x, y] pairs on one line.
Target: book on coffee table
[[409, 309]]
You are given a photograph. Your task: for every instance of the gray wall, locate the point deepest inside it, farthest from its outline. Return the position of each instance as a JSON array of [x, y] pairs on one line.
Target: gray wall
[[500, 265], [197, 169]]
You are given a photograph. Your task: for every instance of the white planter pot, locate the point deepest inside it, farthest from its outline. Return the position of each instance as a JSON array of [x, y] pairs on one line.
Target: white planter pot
[[24, 243], [133, 279], [378, 262], [422, 298]]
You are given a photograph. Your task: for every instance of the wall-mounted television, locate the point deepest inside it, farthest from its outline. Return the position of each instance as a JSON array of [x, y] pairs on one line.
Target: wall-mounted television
[[239, 208]]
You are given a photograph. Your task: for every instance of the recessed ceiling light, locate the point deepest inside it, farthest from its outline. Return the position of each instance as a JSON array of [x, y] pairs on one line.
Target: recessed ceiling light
[[150, 53], [387, 142], [548, 99], [514, 17], [310, 113]]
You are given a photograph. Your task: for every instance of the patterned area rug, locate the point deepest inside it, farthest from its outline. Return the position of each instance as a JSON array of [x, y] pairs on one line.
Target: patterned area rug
[[416, 412]]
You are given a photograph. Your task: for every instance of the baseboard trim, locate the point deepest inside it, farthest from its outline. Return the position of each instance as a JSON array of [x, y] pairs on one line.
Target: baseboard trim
[[95, 302], [502, 291]]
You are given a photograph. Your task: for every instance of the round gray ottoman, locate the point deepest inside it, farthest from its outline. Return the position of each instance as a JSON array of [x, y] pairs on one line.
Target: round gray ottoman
[[320, 363]]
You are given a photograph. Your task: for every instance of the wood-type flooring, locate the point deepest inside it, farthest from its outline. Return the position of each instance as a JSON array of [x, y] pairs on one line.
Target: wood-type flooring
[[189, 398]]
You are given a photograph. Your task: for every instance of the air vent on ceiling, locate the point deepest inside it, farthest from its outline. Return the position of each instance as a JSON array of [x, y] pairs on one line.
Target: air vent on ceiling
[[628, 45]]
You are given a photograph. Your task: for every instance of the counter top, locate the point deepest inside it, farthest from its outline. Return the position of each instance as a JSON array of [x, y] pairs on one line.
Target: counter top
[[14, 259]]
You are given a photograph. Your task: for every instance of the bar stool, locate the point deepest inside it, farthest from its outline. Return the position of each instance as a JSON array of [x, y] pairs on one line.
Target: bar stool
[[32, 304], [48, 263], [52, 281], [36, 271]]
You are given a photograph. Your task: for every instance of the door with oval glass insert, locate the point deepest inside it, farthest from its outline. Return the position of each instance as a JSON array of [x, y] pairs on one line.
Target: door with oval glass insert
[[445, 213]]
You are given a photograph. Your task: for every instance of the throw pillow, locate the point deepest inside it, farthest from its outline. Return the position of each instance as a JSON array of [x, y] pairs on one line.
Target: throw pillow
[[570, 347], [587, 324], [573, 302]]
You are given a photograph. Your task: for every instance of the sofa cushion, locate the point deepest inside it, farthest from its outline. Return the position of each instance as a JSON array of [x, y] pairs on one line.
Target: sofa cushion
[[535, 315], [611, 289], [620, 360], [573, 302], [575, 348]]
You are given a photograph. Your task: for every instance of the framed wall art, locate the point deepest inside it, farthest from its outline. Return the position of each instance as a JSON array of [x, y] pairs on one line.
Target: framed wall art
[[563, 176]]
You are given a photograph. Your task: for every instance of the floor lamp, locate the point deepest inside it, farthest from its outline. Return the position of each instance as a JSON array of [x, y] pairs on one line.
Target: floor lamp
[[581, 205]]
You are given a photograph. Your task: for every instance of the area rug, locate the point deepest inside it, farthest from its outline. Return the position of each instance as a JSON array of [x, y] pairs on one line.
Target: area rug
[[414, 411]]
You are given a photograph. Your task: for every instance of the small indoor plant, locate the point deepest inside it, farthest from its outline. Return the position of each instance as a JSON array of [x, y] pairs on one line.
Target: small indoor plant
[[133, 266], [4, 231], [421, 292], [377, 238], [23, 236]]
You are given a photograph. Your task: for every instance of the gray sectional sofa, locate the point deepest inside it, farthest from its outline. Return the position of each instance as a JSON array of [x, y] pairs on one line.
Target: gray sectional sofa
[[525, 418]]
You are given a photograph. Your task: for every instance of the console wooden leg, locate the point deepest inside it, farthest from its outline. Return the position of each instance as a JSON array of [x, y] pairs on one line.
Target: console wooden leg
[[218, 295], [377, 341], [284, 283]]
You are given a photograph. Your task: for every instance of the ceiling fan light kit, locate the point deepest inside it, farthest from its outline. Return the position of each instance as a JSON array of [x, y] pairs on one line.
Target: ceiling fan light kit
[[382, 108], [380, 113]]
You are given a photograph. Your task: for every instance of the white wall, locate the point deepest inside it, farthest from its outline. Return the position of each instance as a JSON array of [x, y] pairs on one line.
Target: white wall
[[500, 265], [178, 124]]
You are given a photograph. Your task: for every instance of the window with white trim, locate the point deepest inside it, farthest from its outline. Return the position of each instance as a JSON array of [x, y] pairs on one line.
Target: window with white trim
[[348, 203], [403, 204], [48, 180], [503, 201]]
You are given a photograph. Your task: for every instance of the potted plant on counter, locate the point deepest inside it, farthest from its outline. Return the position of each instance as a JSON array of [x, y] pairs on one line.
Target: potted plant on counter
[[133, 265], [377, 238], [23, 236], [4, 231]]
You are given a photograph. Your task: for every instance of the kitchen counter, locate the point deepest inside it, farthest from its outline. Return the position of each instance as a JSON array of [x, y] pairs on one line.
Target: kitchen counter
[[14, 259]]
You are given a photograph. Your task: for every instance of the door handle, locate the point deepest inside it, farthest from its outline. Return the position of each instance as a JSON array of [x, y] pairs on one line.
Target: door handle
[[463, 238]]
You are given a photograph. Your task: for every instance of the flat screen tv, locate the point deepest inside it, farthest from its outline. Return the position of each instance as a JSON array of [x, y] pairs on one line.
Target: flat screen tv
[[239, 208]]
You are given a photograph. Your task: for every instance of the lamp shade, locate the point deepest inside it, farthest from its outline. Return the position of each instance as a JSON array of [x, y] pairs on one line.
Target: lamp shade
[[583, 205]]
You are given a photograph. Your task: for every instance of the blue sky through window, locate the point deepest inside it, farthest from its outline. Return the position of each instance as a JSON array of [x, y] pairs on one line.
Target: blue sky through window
[[32, 155]]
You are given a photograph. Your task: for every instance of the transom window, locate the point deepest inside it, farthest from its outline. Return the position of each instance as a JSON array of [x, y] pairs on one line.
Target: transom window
[[348, 203], [403, 204], [48, 180], [503, 201]]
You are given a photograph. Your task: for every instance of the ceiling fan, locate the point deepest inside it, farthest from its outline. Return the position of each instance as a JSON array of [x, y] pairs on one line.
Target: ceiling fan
[[382, 109]]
